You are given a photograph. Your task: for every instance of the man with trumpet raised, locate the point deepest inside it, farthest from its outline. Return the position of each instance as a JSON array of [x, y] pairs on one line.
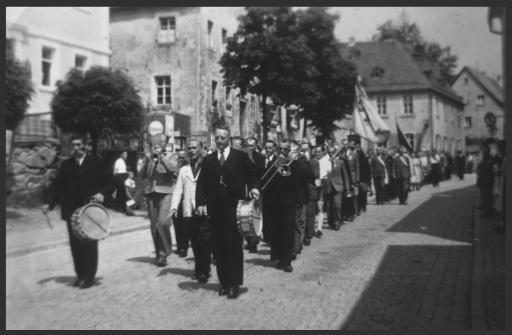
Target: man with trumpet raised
[[285, 201]]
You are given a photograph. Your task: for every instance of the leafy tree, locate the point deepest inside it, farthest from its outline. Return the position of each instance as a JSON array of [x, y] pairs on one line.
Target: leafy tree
[[333, 93], [410, 35], [289, 56], [19, 90], [101, 100]]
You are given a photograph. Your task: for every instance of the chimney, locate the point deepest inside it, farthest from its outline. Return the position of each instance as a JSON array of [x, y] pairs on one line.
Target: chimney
[[351, 41]]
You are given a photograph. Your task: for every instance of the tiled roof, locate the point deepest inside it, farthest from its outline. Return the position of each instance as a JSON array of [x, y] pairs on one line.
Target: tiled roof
[[489, 84], [401, 70]]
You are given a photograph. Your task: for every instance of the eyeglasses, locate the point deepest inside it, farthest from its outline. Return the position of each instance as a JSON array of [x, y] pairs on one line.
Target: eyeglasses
[[220, 138], [192, 148]]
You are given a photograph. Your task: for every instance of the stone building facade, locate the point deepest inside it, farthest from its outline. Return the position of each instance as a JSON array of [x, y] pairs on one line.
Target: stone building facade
[[407, 90], [172, 54], [481, 95]]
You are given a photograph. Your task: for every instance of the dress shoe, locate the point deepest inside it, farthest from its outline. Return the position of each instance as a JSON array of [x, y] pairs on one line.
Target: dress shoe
[[182, 253], [319, 234], [294, 256], [233, 292], [253, 249], [161, 261], [87, 283], [79, 282], [307, 241], [279, 265], [223, 291], [202, 278], [288, 268]]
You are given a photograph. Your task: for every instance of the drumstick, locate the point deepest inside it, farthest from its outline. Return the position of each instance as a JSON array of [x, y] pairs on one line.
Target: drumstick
[[48, 220]]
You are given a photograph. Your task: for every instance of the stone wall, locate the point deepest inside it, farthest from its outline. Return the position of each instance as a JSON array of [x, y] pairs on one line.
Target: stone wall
[[33, 167]]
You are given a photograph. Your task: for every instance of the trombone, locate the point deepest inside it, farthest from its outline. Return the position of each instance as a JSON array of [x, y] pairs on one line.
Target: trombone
[[283, 168]]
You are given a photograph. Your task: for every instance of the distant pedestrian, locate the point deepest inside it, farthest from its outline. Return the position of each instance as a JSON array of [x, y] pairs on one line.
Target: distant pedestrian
[[130, 186], [120, 174], [460, 164], [485, 180], [401, 172], [416, 172]]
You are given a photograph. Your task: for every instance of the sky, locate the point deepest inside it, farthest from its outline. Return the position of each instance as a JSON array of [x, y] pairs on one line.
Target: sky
[[465, 29]]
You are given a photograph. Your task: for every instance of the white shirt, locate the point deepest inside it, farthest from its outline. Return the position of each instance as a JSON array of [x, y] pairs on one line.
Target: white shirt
[[120, 166], [268, 160], [226, 153], [325, 166], [81, 160]]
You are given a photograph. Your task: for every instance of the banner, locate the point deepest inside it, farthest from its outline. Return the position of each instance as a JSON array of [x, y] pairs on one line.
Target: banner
[[367, 122], [402, 140]]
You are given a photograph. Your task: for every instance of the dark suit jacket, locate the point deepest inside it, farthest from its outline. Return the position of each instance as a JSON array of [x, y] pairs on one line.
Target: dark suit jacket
[[338, 179], [364, 167], [313, 190], [267, 173], [293, 189], [259, 162], [378, 169], [352, 160], [74, 185], [237, 173], [401, 170]]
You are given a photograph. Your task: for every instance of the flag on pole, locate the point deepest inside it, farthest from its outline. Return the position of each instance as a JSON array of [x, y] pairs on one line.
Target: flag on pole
[[367, 122], [402, 140]]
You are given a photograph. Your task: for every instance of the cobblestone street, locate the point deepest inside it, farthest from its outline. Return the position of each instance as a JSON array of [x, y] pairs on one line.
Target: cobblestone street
[[394, 267]]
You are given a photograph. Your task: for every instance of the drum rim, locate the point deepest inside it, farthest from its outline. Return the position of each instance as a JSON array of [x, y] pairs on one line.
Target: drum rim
[[109, 229]]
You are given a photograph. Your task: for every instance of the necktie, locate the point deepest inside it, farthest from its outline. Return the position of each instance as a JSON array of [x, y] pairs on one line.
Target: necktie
[[221, 159], [266, 163]]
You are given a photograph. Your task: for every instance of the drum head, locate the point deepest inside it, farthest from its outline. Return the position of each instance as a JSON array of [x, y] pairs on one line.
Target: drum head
[[95, 221], [257, 218]]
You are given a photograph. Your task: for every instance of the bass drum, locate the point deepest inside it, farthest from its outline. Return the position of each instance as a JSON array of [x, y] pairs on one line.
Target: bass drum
[[91, 222], [249, 218]]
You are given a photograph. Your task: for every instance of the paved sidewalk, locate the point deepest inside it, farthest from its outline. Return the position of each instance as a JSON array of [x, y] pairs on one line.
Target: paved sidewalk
[[395, 267], [37, 235]]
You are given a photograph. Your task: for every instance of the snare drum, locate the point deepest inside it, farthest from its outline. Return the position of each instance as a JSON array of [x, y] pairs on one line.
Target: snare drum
[[249, 218], [91, 222]]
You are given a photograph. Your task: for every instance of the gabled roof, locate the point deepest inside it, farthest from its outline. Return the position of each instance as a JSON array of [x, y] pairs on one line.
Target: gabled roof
[[488, 84], [401, 70]]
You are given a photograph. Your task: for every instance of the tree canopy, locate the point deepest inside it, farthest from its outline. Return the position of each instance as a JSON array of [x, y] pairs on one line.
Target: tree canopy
[[291, 57], [19, 89], [96, 101], [410, 35]]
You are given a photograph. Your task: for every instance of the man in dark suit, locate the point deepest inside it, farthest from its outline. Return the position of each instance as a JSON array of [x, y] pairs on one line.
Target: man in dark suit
[[338, 184], [285, 199], [460, 164], [352, 161], [226, 175], [259, 165], [270, 159], [380, 176], [160, 171], [364, 179], [313, 193], [401, 172], [80, 179]]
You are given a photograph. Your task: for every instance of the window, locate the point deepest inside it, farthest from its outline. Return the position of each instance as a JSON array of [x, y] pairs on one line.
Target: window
[[377, 72], [410, 139], [480, 100], [224, 36], [163, 90], [80, 62], [381, 105], [210, 35], [408, 104], [167, 32], [47, 56], [467, 122], [214, 93]]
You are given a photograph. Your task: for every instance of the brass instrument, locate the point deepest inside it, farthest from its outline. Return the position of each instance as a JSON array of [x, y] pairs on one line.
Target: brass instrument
[[283, 168]]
